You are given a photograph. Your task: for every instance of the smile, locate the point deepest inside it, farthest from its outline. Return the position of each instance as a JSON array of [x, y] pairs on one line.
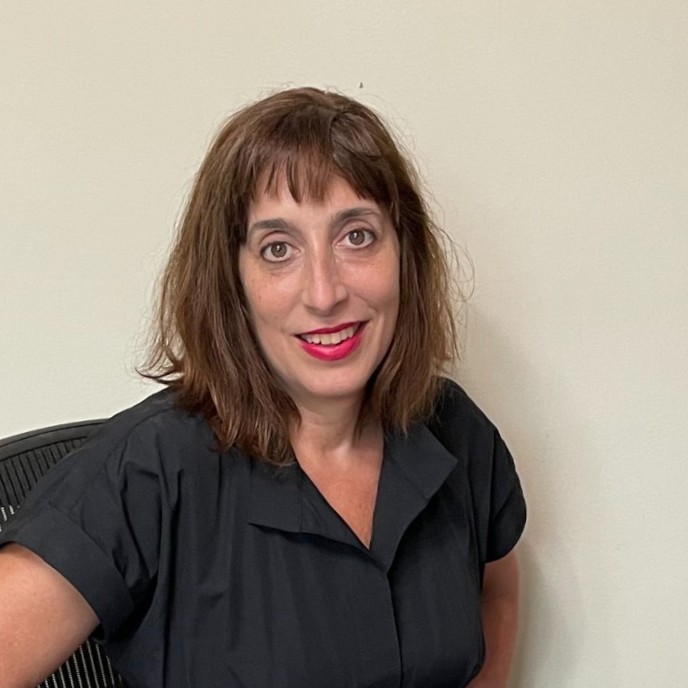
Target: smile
[[332, 344], [330, 338]]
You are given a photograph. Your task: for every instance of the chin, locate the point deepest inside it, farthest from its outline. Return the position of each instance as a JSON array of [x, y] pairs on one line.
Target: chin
[[330, 390]]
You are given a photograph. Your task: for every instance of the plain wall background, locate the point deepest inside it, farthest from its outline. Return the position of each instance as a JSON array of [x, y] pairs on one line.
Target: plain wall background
[[554, 136]]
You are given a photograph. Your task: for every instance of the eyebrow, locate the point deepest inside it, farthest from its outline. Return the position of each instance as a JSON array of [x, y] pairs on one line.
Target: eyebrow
[[343, 216], [352, 213], [276, 223]]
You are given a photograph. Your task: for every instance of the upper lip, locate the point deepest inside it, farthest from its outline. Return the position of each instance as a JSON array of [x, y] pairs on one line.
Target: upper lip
[[331, 330]]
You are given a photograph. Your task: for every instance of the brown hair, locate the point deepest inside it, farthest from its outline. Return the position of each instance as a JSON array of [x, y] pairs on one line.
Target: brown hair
[[204, 346]]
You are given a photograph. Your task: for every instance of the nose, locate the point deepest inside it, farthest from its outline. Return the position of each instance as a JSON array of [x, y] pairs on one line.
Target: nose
[[324, 288]]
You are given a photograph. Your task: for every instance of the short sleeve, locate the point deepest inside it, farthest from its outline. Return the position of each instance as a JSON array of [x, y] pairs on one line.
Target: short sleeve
[[486, 469], [96, 518], [507, 506]]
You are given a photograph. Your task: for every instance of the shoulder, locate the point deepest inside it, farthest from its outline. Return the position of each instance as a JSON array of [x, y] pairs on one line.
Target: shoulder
[[158, 420], [154, 437], [457, 420], [485, 466]]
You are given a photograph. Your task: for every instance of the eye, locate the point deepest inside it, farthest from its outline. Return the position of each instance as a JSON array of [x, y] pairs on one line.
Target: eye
[[359, 238], [276, 252]]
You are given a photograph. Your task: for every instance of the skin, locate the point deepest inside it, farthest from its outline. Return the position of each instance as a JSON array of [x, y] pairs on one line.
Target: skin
[[40, 609], [499, 612]]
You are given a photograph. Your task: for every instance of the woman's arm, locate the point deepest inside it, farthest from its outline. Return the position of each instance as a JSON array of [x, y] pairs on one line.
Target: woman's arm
[[499, 610], [43, 620]]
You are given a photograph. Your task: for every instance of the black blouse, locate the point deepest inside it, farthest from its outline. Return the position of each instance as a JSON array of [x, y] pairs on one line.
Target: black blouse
[[215, 570]]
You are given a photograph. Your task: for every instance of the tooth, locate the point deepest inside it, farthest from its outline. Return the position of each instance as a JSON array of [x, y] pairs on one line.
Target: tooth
[[332, 338]]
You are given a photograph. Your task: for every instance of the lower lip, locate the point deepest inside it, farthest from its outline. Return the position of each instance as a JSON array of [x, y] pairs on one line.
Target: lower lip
[[333, 352]]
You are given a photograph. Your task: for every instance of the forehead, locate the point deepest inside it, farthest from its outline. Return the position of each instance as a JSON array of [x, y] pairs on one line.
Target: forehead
[[336, 193]]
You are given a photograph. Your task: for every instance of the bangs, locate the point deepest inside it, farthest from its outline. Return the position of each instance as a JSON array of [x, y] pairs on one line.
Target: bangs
[[306, 175], [310, 146]]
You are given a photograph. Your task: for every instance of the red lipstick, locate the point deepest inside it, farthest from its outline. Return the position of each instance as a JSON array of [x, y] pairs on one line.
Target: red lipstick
[[333, 352]]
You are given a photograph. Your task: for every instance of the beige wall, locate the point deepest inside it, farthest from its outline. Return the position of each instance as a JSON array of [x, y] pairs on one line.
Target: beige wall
[[555, 138]]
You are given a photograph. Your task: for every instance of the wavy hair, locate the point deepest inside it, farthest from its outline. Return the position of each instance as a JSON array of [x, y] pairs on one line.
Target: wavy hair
[[203, 344]]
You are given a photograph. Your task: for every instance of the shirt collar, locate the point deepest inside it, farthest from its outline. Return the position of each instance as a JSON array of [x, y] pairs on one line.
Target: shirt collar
[[414, 467]]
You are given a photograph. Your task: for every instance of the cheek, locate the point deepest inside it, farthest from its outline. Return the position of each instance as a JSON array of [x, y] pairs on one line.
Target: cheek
[[380, 289], [379, 279], [387, 284], [267, 299]]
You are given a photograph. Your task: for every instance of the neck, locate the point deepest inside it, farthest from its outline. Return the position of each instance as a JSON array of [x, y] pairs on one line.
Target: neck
[[330, 430]]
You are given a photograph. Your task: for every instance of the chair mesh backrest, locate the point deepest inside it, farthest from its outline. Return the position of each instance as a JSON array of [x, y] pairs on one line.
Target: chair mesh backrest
[[23, 460]]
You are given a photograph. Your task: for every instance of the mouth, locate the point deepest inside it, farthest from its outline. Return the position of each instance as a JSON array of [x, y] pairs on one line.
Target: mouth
[[332, 344], [331, 336]]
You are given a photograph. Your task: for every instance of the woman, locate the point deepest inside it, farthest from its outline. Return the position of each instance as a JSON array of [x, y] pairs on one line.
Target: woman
[[307, 503]]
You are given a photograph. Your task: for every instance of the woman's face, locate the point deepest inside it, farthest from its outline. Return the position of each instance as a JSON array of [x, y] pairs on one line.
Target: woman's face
[[322, 284]]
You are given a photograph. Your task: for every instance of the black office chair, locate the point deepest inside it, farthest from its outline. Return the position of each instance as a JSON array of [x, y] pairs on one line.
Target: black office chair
[[23, 460]]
